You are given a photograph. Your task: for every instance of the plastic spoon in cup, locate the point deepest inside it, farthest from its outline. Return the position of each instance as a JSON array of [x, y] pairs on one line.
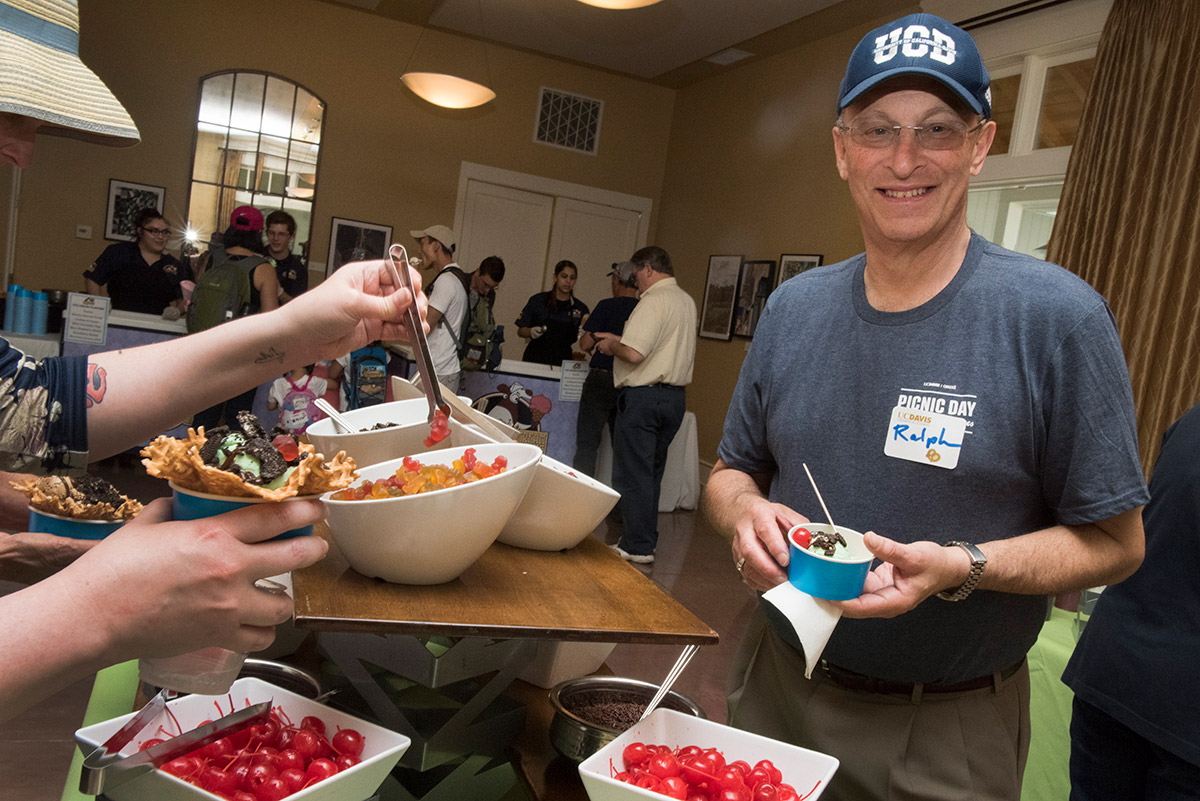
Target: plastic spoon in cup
[[332, 414], [819, 498], [680, 664]]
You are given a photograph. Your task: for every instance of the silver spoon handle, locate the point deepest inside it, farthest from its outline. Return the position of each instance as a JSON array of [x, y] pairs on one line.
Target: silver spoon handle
[[333, 414], [680, 663], [398, 262]]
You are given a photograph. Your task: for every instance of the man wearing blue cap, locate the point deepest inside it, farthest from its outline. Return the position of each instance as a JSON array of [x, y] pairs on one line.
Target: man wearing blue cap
[[970, 403]]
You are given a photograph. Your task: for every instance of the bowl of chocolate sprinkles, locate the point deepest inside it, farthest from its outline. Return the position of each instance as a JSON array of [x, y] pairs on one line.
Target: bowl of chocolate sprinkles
[[592, 711]]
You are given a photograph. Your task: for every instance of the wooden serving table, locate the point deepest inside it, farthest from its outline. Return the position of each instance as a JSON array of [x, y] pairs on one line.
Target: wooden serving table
[[470, 638]]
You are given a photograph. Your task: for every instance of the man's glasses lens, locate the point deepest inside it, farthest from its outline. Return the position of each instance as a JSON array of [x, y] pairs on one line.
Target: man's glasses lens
[[935, 136], [157, 231]]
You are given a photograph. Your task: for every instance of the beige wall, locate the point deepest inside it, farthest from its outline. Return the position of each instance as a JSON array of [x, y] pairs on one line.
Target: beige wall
[[741, 163], [751, 171], [387, 157]]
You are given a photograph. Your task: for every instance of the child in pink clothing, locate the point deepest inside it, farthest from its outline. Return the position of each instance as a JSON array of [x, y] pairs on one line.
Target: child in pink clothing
[[295, 395]]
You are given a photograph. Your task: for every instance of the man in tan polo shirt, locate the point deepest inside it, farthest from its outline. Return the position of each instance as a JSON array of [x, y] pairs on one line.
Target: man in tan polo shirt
[[651, 366]]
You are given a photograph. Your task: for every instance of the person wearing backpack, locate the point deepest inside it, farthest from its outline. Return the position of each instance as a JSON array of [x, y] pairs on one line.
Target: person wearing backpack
[[478, 340], [240, 281], [362, 376], [447, 302], [295, 396]]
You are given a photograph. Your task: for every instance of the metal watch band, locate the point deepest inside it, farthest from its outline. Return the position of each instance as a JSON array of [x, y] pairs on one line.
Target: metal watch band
[[978, 563]]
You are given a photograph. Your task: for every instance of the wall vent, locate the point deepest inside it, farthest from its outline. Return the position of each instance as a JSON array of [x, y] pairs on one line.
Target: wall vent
[[568, 121]]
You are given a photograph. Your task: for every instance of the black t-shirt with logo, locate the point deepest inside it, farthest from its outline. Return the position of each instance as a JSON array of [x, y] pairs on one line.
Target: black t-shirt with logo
[[292, 274], [133, 285]]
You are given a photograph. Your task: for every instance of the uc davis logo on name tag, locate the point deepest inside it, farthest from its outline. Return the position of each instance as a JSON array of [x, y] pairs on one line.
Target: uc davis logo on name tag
[[925, 437]]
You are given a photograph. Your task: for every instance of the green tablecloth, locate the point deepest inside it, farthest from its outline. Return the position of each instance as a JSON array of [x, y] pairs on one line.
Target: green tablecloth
[[1046, 775], [112, 696]]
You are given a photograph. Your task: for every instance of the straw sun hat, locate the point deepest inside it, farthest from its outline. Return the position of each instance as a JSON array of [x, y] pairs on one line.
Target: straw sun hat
[[42, 77]]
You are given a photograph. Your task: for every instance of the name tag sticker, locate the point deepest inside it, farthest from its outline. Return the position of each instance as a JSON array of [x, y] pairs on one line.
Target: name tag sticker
[[925, 437]]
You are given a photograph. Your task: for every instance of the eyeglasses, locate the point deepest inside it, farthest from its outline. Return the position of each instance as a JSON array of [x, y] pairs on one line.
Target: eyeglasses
[[935, 136], [157, 231]]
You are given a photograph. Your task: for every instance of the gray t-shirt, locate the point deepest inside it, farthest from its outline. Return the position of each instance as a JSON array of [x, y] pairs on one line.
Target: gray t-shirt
[[1023, 353]]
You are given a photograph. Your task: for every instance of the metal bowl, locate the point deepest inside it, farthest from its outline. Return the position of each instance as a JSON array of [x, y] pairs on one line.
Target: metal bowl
[[577, 738], [289, 677]]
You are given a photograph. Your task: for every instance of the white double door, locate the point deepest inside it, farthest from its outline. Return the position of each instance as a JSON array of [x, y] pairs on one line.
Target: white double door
[[532, 223]]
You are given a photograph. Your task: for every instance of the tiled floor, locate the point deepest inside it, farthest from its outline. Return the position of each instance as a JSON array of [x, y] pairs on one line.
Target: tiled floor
[[693, 564]]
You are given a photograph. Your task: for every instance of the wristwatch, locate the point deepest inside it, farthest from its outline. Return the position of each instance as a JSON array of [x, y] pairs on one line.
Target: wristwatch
[[978, 563]]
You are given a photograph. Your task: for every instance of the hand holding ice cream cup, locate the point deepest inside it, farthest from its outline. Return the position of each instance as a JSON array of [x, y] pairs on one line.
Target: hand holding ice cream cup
[[828, 562], [221, 471]]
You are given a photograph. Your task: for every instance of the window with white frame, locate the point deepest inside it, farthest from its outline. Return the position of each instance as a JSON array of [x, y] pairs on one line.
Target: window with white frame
[[1040, 80]]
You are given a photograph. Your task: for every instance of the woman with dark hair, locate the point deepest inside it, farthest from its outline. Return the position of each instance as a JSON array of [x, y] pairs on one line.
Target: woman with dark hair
[[140, 276], [551, 319]]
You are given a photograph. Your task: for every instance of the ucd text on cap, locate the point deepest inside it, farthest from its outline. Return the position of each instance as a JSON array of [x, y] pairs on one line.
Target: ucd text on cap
[[919, 44]]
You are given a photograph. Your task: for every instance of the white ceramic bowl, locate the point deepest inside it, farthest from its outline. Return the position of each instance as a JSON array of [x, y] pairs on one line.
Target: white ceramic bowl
[[408, 438], [807, 771], [561, 508], [431, 537], [382, 747]]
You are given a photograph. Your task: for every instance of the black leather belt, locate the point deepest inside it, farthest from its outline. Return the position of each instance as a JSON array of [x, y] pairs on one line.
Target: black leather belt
[[869, 684]]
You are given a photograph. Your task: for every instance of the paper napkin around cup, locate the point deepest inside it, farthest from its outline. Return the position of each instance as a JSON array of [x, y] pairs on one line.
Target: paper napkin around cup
[[813, 619]]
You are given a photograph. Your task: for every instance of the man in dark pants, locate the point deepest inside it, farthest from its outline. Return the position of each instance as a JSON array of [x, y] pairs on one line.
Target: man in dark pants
[[1133, 734], [971, 403], [598, 404], [653, 364]]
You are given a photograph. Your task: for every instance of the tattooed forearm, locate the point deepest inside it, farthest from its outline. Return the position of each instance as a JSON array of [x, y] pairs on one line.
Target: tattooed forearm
[[97, 384], [270, 355]]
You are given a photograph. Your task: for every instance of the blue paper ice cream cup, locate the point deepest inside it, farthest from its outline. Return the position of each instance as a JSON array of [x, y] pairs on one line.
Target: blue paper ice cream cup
[[76, 528], [830, 578], [189, 504]]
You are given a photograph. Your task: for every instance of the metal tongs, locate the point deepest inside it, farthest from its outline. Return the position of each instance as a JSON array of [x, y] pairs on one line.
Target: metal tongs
[[398, 261], [105, 768]]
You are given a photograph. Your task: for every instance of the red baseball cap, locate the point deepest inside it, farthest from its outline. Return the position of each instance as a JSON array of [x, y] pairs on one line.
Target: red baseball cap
[[246, 218]]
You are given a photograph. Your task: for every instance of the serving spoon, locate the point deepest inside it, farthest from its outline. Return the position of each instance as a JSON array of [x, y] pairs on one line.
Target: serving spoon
[[398, 262], [680, 663], [335, 416]]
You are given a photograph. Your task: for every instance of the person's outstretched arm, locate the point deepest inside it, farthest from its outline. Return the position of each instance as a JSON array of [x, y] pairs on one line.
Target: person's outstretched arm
[[155, 587], [137, 393]]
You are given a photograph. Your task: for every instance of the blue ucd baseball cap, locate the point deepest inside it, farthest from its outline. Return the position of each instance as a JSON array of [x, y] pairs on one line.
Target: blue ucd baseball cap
[[919, 44]]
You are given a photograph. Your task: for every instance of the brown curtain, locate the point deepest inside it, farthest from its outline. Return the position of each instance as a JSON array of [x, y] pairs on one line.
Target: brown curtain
[[228, 202], [1129, 219]]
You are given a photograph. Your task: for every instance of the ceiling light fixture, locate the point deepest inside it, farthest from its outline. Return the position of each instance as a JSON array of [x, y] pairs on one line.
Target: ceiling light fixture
[[447, 91], [442, 88], [620, 4]]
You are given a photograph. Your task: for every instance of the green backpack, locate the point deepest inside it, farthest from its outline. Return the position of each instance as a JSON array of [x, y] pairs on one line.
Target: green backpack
[[221, 294], [475, 347]]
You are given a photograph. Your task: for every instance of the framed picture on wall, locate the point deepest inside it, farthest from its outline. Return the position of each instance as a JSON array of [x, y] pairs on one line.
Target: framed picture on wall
[[792, 264], [351, 240], [720, 291], [125, 200], [757, 281]]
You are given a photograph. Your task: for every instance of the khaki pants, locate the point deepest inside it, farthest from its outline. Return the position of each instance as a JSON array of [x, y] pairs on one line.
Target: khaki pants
[[968, 746]]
